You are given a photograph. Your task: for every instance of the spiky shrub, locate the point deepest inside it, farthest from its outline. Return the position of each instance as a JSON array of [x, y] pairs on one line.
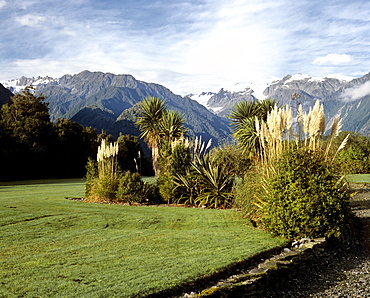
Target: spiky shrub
[[216, 184], [150, 194], [102, 180], [188, 187], [299, 192], [176, 169], [206, 182]]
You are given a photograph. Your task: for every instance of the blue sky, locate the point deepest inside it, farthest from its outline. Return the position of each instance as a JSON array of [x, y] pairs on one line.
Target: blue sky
[[187, 46]]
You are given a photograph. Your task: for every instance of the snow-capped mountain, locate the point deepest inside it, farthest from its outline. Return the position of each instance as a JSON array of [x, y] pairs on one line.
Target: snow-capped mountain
[[202, 98], [221, 102], [111, 94], [107, 102], [308, 87], [17, 85]]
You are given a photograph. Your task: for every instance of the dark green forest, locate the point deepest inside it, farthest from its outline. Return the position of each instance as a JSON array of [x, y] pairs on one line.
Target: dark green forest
[[33, 147]]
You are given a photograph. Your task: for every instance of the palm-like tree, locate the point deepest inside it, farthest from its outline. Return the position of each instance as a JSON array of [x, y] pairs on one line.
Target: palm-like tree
[[246, 135], [171, 125], [243, 110], [157, 125], [151, 112], [264, 107], [243, 118]]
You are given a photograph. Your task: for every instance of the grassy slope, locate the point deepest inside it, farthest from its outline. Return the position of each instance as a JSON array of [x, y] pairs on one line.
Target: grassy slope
[[50, 246]]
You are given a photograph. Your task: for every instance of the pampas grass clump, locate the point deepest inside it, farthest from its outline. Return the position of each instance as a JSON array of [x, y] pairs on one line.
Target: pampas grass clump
[[103, 176], [280, 132], [297, 192]]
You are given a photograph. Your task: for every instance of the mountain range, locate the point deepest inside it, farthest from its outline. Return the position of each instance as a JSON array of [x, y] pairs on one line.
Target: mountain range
[[347, 97], [107, 101]]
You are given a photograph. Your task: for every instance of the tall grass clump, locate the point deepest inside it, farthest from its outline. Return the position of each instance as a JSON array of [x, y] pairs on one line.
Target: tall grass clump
[[107, 183], [296, 191], [102, 175]]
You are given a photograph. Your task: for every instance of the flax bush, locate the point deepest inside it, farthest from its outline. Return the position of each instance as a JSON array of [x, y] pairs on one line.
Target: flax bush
[[188, 187], [199, 179], [216, 184]]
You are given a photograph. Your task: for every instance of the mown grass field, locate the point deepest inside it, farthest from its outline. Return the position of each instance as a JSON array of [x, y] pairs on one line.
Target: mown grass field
[[53, 247], [358, 178]]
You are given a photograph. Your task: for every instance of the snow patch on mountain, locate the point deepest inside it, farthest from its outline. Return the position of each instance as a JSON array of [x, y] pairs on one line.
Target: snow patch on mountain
[[298, 77], [202, 98], [340, 77], [241, 88], [18, 85], [248, 88], [306, 77]]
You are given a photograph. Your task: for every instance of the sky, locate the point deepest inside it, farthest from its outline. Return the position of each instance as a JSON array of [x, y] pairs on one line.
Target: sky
[[188, 46]]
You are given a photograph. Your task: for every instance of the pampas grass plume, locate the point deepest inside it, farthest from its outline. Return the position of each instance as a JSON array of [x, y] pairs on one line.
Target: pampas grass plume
[[343, 144]]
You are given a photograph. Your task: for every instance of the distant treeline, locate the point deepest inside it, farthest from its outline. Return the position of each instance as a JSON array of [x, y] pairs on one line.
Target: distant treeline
[[32, 147]]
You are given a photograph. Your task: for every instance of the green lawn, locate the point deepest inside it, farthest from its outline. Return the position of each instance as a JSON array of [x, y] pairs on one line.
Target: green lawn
[[358, 178], [148, 179], [53, 247]]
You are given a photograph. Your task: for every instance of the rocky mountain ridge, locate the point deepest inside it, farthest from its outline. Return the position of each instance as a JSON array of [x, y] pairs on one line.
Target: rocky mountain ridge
[[107, 96], [105, 101]]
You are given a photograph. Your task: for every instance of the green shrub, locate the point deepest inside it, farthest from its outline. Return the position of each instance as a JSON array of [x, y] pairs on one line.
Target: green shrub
[[305, 197], [248, 192], [296, 191], [354, 158], [104, 189], [130, 188], [180, 159], [166, 186], [232, 157]]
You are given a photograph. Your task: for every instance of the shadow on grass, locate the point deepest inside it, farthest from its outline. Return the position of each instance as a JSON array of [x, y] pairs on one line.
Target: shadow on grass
[[43, 181]]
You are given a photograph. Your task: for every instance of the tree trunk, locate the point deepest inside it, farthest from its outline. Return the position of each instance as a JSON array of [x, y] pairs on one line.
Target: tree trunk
[[155, 160]]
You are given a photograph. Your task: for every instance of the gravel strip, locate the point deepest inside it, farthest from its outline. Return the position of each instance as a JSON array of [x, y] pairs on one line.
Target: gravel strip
[[344, 272]]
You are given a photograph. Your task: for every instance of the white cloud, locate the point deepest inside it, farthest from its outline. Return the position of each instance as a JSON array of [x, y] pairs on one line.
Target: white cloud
[[2, 3], [232, 45], [30, 20], [187, 46], [333, 59], [357, 92]]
